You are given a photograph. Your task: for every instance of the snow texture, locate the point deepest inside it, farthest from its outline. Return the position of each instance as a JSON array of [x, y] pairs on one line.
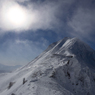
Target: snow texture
[[66, 67]]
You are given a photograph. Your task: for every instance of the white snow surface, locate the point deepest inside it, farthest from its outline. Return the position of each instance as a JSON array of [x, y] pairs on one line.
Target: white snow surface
[[66, 67]]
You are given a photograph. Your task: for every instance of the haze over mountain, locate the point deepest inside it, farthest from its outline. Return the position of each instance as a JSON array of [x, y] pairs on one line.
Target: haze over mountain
[[66, 67], [5, 68]]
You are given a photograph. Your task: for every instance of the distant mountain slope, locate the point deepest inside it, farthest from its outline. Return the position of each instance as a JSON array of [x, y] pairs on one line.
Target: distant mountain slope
[[66, 67], [5, 68]]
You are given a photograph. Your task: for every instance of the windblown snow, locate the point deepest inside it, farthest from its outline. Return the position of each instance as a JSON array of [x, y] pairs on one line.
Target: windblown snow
[[66, 67]]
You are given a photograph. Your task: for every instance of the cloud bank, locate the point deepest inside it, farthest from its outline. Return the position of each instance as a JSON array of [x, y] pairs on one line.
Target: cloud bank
[[36, 16], [62, 16]]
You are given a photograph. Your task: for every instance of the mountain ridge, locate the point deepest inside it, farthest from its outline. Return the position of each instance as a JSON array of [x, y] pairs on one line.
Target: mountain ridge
[[64, 68]]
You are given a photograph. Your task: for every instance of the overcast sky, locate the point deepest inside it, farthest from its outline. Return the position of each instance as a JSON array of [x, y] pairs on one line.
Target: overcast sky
[[42, 22]]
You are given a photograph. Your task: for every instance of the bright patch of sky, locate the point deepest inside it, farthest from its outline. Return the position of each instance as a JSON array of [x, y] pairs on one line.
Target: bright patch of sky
[[27, 27]]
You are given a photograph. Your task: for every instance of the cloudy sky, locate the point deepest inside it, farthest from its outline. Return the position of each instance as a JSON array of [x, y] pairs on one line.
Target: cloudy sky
[[27, 27]]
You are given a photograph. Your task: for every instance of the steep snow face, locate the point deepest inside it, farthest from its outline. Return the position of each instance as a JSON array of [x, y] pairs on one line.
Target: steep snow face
[[66, 67]]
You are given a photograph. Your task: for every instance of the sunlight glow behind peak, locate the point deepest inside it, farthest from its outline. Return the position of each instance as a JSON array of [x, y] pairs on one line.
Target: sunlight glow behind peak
[[16, 16]]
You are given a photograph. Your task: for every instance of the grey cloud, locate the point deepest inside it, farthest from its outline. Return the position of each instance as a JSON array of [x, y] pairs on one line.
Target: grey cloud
[[38, 17], [42, 14], [83, 22], [61, 16]]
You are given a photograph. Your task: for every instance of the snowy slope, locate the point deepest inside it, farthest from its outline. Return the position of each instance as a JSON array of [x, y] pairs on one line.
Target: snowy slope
[[66, 67]]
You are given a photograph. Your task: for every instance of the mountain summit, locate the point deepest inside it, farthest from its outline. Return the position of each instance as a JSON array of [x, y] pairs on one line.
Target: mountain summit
[[66, 67]]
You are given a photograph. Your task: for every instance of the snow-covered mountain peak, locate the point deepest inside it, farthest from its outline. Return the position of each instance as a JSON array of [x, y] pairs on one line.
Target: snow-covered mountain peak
[[71, 45], [75, 47], [73, 42], [64, 68]]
